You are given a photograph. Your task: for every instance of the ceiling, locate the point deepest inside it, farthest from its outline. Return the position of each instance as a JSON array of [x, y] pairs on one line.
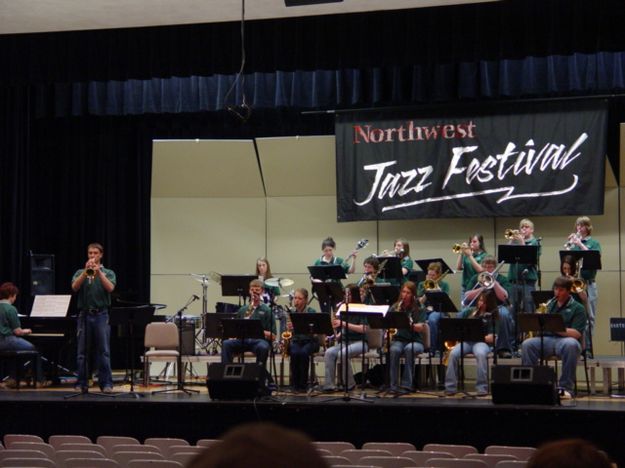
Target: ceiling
[[27, 16]]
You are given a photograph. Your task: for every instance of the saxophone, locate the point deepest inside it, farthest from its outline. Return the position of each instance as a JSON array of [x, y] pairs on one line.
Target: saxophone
[[287, 335], [250, 310]]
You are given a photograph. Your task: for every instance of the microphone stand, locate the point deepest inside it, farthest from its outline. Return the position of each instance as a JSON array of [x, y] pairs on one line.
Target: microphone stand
[[180, 380]]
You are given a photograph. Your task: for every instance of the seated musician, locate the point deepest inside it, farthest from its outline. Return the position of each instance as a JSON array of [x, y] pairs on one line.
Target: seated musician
[[505, 322], [485, 303], [407, 343], [254, 310], [301, 346], [434, 275], [263, 271], [11, 333], [567, 344], [354, 332]]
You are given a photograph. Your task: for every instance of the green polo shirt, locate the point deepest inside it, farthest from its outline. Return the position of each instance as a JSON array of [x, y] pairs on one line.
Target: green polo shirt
[[93, 295], [591, 244], [406, 335], [262, 313], [9, 320], [467, 269], [573, 314]]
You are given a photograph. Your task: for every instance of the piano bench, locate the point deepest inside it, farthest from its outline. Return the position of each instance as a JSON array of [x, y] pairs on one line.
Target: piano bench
[[18, 359]]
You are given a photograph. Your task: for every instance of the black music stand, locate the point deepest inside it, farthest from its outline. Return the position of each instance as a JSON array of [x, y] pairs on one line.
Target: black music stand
[[541, 297], [391, 272], [384, 294], [242, 329], [398, 320], [236, 285], [131, 318], [440, 302], [462, 330], [425, 262], [213, 330], [541, 323], [311, 324], [328, 294], [327, 272]]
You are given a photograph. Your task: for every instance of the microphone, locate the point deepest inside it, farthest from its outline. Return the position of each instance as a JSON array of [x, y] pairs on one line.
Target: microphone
[[195, 297], [525, 272]]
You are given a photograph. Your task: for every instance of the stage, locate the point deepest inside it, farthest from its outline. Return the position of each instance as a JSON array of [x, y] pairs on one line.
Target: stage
[[416, 418]]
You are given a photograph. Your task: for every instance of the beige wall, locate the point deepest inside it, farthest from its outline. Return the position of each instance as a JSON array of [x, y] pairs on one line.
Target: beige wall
[[201, 232]]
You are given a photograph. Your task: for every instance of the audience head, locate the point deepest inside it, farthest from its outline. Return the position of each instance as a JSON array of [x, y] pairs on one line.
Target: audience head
[[569, 453], [260, 444]]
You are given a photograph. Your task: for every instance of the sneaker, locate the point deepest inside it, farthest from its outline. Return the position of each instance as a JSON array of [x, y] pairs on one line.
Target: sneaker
[[81, 389], [481, 393], [565, 394], [504, 354], [107, 390], [10, 383]]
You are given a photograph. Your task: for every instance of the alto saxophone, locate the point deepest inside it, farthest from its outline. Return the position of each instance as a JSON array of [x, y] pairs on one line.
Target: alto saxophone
[[287, 335]]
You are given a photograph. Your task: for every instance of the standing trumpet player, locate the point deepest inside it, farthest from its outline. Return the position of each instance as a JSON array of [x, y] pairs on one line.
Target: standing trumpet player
[[401, 250], [469, 259], [581, 240], [94, 285], [523, 277]]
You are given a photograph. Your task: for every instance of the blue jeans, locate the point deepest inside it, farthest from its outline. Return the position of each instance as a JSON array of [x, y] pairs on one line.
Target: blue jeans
[[480, 350], [505, 330], [591, 309], [566, 348], [15, 343], [260, 347], [94, 332], [300, 352], [524, 290], [433, 319], [408, 350], [334, 354]]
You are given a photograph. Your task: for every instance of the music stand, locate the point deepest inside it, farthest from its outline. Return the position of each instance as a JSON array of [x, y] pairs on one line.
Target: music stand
[[327, 272], [541, 297], [541, 323], [441, 302], [392, 270], [132, 317], [385, 294], [462, 330], [328, 294], [425, 262], [242, 329], [213, 330], [311, 324], [236, 285], [398, 320]]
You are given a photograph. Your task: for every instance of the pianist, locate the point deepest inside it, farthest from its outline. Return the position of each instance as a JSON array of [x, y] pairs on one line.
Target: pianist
[[11, 333], [94, 285]]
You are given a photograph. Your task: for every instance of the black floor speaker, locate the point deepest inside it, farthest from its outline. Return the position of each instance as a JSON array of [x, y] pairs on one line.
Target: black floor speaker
[[244, 381], [524, 385]]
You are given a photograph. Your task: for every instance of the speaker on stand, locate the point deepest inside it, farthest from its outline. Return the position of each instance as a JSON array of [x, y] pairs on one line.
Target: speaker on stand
[[42, 275]]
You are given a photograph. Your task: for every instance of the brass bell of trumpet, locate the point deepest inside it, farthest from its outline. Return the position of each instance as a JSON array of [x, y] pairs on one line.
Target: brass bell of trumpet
[[457, 248], [511, 233]]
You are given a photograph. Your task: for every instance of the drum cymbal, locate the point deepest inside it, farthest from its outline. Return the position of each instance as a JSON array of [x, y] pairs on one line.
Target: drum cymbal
[[279, 282], [200, 278]]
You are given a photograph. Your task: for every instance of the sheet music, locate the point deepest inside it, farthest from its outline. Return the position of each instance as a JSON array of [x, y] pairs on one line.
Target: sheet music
[[50, 305], [370, 309]]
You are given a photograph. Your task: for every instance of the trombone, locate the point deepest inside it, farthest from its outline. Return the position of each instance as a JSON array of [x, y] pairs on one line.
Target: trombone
[[485, 280], [430, 284]]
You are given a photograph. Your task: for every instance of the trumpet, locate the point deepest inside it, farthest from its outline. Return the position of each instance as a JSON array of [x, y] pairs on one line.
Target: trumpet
[[90, 272], [458, 248], [511, 233], [570, 243]]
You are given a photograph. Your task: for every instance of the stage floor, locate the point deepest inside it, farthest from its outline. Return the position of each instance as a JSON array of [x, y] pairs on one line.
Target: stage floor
[[418, 418]]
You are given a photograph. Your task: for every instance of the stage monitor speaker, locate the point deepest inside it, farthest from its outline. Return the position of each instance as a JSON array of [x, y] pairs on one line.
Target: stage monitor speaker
[[524, 385], [188, 337], [244, 381], [42, 276]]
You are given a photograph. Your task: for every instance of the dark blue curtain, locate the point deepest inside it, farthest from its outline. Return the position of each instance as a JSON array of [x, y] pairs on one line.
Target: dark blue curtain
[[79, 110]]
